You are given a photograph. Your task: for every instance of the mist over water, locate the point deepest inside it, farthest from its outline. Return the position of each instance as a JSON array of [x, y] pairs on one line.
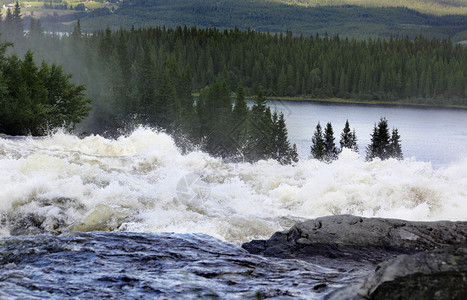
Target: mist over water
[[142, 183]]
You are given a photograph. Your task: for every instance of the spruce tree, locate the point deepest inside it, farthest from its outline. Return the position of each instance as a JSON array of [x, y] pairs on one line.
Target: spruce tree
[[240, 109], [348, 138], [380, 142], [239, 123], [146, 89], [384, 139], [372, 148], [330, 150], [395, 145], [260, 137], [283, 148], [17, 25], [317, 143], [353, 143]]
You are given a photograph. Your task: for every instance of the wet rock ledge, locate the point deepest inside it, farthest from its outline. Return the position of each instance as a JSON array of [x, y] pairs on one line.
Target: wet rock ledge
[[406, 260]]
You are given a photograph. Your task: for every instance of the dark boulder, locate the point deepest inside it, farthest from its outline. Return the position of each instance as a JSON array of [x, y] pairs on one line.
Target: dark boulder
[[369, 240], [417, 260], [436, 274]]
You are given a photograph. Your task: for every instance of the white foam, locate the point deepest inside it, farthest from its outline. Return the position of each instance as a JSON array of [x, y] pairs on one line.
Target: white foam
[[141, 182]]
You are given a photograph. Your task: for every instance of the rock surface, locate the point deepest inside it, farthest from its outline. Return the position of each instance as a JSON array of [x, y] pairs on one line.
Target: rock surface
[[436, 274], [417, 260], [370, 240]]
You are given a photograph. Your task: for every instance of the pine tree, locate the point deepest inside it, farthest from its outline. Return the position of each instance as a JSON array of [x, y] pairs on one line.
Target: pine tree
[[395, 145], [380, 142], [240, 110], [372, 148], [239, 124], [330, 150], [76, 34], [348, 138], [354, 145], [283, 149], [146, 89], [317, 143], [260, 130], [17, 22]]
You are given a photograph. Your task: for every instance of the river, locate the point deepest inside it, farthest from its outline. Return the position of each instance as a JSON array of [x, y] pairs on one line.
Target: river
[[164, 224]]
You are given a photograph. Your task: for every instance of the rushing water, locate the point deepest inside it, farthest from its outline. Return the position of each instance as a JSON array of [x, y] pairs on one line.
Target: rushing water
[[141, 183], [168, 266]]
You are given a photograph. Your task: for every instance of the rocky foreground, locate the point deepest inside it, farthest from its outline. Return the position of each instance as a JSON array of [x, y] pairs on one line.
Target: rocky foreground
[[412, 260]]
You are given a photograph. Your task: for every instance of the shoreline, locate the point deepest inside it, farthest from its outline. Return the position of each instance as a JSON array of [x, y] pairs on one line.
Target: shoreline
[[336, 100], [362, 102]]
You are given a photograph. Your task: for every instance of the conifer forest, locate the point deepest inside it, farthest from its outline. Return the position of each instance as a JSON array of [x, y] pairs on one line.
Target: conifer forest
[[183, 79]]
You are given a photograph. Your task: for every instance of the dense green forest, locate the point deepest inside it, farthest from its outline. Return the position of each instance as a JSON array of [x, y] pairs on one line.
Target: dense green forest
[[34, 99], [362, 20], [149, 76], [421, 71]]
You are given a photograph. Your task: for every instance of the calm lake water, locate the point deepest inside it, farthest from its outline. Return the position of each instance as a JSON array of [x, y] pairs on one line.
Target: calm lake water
[[431, 135]]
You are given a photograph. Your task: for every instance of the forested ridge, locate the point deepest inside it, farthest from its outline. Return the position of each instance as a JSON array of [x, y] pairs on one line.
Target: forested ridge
[[420, 71], [354, 18]]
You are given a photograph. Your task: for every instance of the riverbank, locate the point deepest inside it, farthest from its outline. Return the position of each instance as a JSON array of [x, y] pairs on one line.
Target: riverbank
[[365, 102], [352, 101]]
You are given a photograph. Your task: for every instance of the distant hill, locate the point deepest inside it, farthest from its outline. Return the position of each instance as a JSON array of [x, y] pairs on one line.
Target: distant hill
[[299, 16], [435, 7]]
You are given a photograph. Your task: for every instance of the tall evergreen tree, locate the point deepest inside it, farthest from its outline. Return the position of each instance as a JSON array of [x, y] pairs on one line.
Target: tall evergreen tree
[[395, 145], [240, 119], [146, 89], [348, 138], [260, 137], [330, 149], [317, 143], [17, 23], [380, 142], [282, 145]]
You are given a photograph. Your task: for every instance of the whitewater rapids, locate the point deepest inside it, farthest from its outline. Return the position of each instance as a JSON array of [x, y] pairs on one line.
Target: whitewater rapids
[[142, 183]]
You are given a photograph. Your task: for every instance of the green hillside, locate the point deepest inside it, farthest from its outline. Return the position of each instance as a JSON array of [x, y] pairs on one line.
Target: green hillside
[[272, 16], [435, 7]]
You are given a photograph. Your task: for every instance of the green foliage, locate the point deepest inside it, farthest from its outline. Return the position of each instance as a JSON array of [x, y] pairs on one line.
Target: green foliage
[[317, 143], [383, 145], [330, 149], [421, 71], [322, 144], [273, 16], [348, 138], [34, 100]]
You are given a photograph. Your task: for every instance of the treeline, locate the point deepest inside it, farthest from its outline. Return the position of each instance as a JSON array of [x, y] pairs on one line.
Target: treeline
[[420, 71], [149, 76], [141, 91], [383, 145]]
